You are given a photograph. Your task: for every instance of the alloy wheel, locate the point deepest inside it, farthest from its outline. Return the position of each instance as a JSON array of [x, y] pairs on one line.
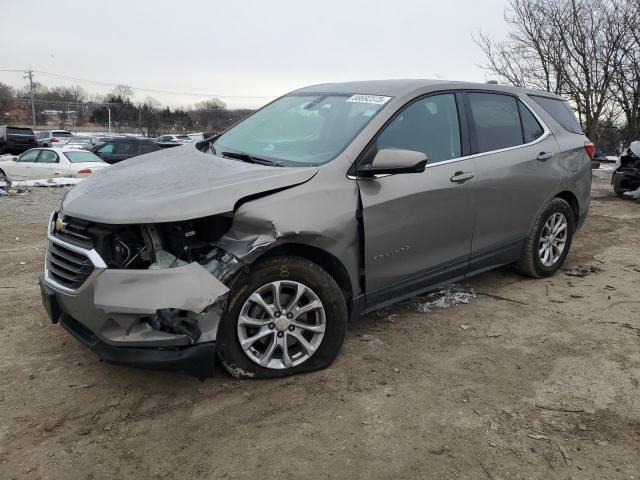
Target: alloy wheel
[[281, 324], [553, 239]]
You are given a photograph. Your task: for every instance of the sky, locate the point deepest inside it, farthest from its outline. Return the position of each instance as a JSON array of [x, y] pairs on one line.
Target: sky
[[246, 52]]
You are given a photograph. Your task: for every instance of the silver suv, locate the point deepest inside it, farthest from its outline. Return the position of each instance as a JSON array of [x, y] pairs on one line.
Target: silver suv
[[53, 138], [261, 244]]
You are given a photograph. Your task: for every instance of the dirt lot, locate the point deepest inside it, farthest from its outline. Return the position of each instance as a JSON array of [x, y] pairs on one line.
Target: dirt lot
[[530, 379]]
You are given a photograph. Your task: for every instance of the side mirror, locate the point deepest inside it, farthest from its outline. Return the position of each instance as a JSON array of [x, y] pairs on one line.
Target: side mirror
[[390, 161]]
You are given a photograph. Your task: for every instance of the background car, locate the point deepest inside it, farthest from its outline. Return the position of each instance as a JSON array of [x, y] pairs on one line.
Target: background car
[[16, 139], [82, 143], [52, 138], [175, 138], [50, 162], [118, 149]]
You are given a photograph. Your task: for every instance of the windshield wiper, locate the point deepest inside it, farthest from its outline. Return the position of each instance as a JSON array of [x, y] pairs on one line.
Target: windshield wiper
[[245, 157]]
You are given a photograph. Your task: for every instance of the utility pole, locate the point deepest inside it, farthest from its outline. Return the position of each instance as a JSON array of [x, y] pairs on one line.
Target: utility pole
[[29, 75]]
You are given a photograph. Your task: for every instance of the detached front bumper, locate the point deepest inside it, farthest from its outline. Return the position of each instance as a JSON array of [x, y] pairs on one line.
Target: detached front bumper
[[116, 312]]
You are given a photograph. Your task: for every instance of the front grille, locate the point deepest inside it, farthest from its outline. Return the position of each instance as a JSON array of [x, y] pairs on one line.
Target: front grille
[[67, 267], [75, 231]]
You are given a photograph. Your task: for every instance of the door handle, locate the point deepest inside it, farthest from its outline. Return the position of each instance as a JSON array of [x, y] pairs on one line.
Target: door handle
[[461, 177], [544, 156]]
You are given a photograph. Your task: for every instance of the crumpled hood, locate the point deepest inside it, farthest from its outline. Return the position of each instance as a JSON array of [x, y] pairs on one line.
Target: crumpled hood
[[178, 183]]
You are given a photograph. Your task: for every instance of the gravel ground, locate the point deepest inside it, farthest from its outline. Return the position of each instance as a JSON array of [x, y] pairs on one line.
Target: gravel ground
[[527, 379]]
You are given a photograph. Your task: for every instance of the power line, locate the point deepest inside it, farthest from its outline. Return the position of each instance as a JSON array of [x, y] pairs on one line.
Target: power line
[[107, 84]]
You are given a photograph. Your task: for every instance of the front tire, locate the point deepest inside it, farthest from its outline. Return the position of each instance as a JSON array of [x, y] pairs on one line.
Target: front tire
[[286, 316], [549, 240]]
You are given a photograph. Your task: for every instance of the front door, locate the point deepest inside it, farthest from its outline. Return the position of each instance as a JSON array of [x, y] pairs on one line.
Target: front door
[[418, 226]]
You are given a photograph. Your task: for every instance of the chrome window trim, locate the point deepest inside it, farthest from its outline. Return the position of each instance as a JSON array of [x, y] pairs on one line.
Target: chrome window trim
[[92, 255], [545, 134]]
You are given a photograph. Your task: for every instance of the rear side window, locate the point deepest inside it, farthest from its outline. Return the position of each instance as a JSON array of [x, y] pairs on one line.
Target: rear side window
[[560, 111], [496, 120], [146, 148], [47, 156], [61, 134], [124, 148], [531, 128]]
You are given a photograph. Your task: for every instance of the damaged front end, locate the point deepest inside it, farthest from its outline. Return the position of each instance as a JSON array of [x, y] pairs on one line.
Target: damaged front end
[[126, 288], [626, 178]]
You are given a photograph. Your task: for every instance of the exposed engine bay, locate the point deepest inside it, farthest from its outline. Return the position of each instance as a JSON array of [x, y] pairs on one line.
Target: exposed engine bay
[[155, 247]]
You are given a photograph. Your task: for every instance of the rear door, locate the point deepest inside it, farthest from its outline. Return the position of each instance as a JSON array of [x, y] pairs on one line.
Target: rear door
[[124, 150], [518, 164], [418, 226], [47, 165]]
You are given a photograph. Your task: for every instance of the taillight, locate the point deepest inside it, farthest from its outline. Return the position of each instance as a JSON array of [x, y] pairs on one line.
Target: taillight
[[54, 139], [85, 170], [589, 148]]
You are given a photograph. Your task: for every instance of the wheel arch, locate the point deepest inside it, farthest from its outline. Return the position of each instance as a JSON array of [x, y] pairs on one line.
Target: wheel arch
[[572, 200], [324, 259]]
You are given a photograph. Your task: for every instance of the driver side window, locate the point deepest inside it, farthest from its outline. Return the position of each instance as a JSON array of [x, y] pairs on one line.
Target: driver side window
[[29, 156], [429, 125]]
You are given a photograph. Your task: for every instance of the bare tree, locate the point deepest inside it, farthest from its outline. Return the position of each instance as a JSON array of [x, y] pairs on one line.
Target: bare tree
[[569, 47], [7, 100], [626, 82], [125, 92]]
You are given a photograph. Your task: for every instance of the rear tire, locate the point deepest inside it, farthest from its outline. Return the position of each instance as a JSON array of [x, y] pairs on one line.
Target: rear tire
[[549, 240], [311, 340]]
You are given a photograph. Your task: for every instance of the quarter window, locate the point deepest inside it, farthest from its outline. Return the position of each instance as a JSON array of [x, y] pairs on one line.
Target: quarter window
[[429, 125], [496, 121], [531, 128], [560, 111]]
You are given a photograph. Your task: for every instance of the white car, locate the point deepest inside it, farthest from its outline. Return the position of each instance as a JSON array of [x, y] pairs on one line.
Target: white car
[[51, 162]]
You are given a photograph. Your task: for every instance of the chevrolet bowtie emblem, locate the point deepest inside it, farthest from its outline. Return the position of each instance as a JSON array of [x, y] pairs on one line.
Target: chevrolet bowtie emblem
[[59, 224]]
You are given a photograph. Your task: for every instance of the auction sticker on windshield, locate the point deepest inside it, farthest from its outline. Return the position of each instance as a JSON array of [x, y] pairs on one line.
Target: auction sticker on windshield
[[372, 99]]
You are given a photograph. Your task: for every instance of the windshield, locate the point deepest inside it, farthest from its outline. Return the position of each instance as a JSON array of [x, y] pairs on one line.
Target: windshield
[[309, 129], [81, 157]]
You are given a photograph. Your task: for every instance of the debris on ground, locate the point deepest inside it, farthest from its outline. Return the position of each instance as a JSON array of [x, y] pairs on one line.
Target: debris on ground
[[451, 295], [581, 271], [48, 182]]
